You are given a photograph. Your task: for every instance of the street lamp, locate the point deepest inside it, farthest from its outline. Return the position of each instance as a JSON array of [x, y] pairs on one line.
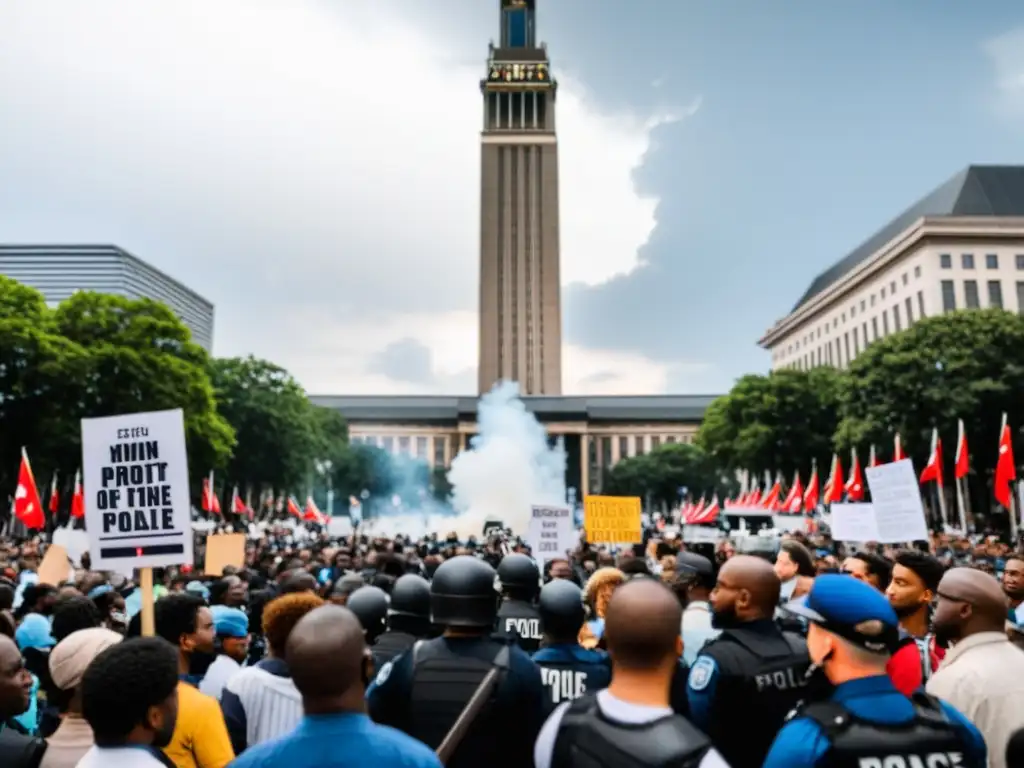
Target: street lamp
[[325, 468]]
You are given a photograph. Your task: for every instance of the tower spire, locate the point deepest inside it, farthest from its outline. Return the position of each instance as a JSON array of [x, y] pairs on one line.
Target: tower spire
[[518, 23]]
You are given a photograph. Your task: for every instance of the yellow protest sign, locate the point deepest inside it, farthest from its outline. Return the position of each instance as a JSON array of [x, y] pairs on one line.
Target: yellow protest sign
[[612, 519]]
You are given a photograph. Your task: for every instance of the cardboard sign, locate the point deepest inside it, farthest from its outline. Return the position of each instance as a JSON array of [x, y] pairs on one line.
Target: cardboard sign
[[135, 480], [613, 519], [222, 550], [56, 567]]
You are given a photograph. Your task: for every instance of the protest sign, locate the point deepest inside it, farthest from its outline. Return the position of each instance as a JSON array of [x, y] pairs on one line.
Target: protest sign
[[56, 568], [896, 498], [551, 533], [702, 534], [222, 550], [135, 480], [612, 519], [854, 523]]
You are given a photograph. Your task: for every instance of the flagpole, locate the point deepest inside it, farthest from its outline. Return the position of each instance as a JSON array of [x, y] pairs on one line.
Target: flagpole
[[959, 481], [1013, 500]]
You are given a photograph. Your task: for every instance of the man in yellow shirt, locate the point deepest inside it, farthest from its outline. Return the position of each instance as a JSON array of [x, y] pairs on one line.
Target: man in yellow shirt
[[200, 737]]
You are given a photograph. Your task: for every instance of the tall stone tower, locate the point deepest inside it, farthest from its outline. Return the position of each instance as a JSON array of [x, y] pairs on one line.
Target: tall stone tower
[[520, 289]]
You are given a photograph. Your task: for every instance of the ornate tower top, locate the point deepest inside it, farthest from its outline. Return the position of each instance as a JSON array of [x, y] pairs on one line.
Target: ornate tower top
[[518, 24]]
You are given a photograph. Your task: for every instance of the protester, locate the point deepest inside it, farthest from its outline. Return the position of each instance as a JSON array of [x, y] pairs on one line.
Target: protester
[[231, 626], [697, 577], [597, 592], [69, 660], [911, 592], [17, 748], [794, 566], [130, 700], [72, 613], [1013, 586], [869, 567], [982, 674], [330, 665]]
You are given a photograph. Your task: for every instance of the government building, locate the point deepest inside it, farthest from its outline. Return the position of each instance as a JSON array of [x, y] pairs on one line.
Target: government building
[[58, 271], [960, 247]]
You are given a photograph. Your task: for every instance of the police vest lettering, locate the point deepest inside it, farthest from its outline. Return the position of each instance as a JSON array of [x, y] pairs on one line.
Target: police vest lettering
[[526, 628], [565, 684], [933, 760], [780, 680]]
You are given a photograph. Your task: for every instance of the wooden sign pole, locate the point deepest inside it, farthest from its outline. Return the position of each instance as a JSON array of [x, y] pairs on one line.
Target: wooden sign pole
[[148, 616]]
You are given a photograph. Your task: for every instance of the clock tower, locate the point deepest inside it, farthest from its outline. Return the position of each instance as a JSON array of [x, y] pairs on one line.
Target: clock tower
[[520, 288]]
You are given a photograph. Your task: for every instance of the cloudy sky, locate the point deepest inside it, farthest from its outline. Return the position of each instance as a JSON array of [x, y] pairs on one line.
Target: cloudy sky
[[312, 166]]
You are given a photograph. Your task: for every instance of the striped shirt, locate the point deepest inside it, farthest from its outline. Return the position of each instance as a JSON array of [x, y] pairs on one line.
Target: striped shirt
[[261, 703]]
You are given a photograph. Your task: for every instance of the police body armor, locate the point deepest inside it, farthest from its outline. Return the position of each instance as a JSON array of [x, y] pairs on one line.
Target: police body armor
[[567, 679], [762, 676], [520, 621], [588, 739], [390, 645], [930, 740], [443, 682]]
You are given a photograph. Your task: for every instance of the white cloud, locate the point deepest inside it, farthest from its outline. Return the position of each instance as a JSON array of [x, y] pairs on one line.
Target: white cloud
[[312, 168], [1006, 54]]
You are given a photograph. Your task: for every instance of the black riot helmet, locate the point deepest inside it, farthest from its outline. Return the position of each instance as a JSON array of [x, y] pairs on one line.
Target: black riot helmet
[[519, 576], [462, 594], [410, 606], [370, 605], [561, 610]]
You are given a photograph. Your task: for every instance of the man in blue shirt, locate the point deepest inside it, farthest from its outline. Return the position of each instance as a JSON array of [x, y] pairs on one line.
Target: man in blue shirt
[[865, 721], [330, 665]]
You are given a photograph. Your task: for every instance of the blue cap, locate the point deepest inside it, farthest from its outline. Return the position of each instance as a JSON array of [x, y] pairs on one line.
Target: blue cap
[[850, 609], [34, 632], [230, 622], [102, 589], [198, 588]]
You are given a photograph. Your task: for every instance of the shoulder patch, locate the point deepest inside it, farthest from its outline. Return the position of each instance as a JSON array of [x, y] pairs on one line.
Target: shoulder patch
[[701, 673], [384, 674]]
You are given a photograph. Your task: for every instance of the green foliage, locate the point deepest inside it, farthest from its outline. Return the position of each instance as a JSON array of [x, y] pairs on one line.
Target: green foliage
[[779, 422], [658, 475]]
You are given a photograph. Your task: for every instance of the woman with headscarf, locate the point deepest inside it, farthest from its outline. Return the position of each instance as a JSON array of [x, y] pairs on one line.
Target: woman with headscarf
[[597, 593], [68, 662]]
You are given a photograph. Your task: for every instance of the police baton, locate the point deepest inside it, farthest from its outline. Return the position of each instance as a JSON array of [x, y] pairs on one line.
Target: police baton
[[472, 709]]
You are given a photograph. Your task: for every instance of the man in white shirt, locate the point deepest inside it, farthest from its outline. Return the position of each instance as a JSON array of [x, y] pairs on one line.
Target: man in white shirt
[[232, 628], [130, 699], [982, 674], [698, 574]]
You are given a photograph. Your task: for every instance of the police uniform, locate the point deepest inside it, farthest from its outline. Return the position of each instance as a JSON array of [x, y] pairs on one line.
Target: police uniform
[[423, 691], [518, 618], [569, 670], [408, 619], [866, 722], [752, 674]]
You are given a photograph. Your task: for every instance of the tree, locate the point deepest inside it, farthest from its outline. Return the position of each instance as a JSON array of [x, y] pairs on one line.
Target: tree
[[660, 474], [279, 433], [961, 365], [774, 423]]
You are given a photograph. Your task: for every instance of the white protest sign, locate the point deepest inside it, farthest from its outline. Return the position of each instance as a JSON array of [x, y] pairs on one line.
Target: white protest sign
[[135, 479], [789, 522], [551, 533], [699, 534], [854, 522], [896, 497]]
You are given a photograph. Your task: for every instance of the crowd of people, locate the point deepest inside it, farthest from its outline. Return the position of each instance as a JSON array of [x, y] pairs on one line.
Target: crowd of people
[[388, 651]]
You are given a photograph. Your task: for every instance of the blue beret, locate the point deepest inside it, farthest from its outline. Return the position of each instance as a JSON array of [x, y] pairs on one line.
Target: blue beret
[[198, 588], [230, 622], [851, 609]]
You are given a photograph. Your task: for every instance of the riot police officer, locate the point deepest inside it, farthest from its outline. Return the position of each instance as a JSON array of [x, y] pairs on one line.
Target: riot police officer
[[370, 605], [866, 721], [630, 724], [568, 669], [408, 618], [753, 673], [423, 691], [518, 619]]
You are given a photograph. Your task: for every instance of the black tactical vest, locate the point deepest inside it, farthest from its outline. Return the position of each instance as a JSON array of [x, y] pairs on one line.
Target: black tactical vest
[[443, 682], [520, 621], [588, 739], [389, 645], [930, 740], [761, 678]]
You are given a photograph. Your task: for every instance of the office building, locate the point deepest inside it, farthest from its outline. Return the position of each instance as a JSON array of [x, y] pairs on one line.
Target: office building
[[57, 271], [960, 247]]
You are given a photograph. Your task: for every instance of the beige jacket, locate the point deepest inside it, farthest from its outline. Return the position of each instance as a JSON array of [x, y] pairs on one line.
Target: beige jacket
[[983, 677]]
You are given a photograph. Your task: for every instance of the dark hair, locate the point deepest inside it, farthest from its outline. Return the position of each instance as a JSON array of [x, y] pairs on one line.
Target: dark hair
[[6, 596], [32, 595], [800, 555], [123, 682], [635, 566], [175, 615], [257, 602], [877, 566], [72, 613], [927, 568]]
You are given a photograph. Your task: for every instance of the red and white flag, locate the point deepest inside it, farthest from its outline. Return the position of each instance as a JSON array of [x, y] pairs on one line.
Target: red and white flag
[[27, 505], [963, 466], [312, 513], [834, 486], [54, 503], [933, 469], [1006, 468], [794, 501], [211, 504], [293, 508], [855, 483], [812, 494], [238, 506], [78, 498]]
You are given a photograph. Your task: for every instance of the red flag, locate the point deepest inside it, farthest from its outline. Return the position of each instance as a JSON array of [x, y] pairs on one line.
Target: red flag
[[811, 496], [933, 470], [54, 503], [834, 486], [855, 484], [962, 457], [771, 501], [293, 508], [1006, 468], [710, 513], [897, 449], [238, 506], [312, 513], [27, 505], [794, 500], [78, 498], [211, 503], [694, 512]]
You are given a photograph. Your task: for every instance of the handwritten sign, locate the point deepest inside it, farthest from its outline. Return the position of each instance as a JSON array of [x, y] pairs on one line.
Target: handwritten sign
[[612, 519], [896, 498], [854, 523], [551, 532]]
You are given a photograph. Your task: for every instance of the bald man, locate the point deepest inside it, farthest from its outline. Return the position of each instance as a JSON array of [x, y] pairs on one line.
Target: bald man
[[633, 715], [982, 674], [331, 666], [753, 673]]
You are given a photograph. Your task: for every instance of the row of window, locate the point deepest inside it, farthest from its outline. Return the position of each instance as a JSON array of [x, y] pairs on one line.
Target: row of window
[[599, 454], [418, 447], [967, 261], [841, 350], [994, 292]]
